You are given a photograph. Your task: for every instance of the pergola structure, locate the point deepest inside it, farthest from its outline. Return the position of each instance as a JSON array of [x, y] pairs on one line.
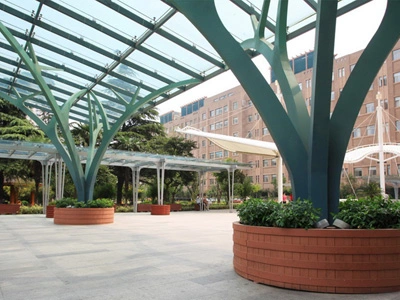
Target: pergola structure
[[48, 156], [100, 62]]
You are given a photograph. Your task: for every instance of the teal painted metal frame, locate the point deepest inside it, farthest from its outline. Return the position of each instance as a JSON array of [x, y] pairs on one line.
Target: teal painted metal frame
[[83, 178], [312, 145]]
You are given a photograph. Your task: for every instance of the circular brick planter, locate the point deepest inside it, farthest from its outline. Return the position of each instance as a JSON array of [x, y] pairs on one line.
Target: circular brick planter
[[50, 211], [83, 216], [319, 260], [160, 210]]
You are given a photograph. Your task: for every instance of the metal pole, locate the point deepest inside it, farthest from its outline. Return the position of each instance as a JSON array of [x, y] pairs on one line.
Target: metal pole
[[134, 200], [280, 179], [380, 144]]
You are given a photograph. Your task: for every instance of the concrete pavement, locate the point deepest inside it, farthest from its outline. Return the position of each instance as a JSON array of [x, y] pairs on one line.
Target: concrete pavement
[[187, 255]]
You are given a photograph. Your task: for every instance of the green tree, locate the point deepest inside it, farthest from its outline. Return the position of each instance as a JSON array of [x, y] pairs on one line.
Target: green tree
[[223, 180], [14, 126]]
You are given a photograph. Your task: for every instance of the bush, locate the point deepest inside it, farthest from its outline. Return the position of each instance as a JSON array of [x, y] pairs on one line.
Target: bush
[[294, 214], [71, 202], [123, 209], [100, 203], [257, 212], [34, 209], [66, 202], [297, 214], [370, 213]]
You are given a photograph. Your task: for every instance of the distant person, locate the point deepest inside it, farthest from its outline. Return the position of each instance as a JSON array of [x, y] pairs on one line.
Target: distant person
[[206, 203], [284, 198]]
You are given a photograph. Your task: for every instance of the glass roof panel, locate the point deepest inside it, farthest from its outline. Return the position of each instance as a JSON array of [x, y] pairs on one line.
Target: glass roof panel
[[121, 44]]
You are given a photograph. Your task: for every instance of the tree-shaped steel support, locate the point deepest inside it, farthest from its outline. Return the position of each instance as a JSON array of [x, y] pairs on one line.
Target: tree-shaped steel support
[[312, 145], [84, 178]]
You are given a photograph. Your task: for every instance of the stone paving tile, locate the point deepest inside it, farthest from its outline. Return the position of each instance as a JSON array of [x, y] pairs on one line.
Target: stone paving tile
[[187, 255]]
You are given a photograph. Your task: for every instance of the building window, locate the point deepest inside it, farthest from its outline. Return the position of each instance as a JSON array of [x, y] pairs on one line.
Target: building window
[[372, 171], [352, 67], [308, 83], [250, 118], [257, 178], [265, 131], [218, 154], [357, 172], [235, 120], [333, 76], [273, 177], [226, 153], [226, 123], [234, 105], [219, 125], [356, 132], [256, 132], [388, 170], [396, 101], [203, 156], [396, 77], [250, 103], [203, 143], [332, 95], [382, 81], [265, 162], [397, 125], [396, 54], [300, 86], [212, 127], [265, 178], [370, 107], [235, 134], [371, 87], [371, 130], [212, 113], [211, 155], [273, 162], [384, 104], [341, 72], [257, 163], [225, 108], [203, 116]]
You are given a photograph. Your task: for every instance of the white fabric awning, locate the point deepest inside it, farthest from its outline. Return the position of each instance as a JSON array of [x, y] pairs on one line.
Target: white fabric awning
[[235, 144], [358, 154]]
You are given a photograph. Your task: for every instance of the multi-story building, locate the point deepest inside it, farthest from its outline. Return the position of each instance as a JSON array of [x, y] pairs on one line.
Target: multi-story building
[[232, 113]]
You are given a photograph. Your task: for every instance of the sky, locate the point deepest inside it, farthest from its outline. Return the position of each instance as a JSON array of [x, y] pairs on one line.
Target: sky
[[353, 31]]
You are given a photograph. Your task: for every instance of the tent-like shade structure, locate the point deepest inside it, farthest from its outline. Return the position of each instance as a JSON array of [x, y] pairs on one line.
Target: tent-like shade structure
[[360, 153], [242, 145]]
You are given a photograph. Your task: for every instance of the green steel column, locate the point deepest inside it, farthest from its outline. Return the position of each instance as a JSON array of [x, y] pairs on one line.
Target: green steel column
[[203, 15], [354, 92], [321, 104]]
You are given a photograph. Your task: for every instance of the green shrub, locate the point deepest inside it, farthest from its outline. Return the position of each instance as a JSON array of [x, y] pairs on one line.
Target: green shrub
[[257, 212], [66, 202], [24, 203], [100, 203], [34, 209], [71, 202], [297, 214], [294, 214], [370, 213], [123, 209]]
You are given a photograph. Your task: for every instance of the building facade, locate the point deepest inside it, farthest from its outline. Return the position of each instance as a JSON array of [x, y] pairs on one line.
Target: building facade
[[232, 113]]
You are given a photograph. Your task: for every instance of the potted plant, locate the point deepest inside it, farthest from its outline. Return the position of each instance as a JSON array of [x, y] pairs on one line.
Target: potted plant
[[69, 211], [50, 209], [275, 244]]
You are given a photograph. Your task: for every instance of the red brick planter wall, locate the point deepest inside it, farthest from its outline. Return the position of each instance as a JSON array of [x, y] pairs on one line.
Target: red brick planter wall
[[175, 207], [83, 216], [319, 260], [143, 207], [9, 208], [160, 210], [50, 211]]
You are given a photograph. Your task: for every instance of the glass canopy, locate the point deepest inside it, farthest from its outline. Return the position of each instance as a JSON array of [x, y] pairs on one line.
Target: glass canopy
[[124, 45]]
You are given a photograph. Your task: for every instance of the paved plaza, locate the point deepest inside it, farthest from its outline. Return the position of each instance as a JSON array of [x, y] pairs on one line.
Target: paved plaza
[[187, 255]]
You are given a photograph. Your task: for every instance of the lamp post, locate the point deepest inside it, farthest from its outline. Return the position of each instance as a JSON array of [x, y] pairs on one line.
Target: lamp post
[[380, 144]]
